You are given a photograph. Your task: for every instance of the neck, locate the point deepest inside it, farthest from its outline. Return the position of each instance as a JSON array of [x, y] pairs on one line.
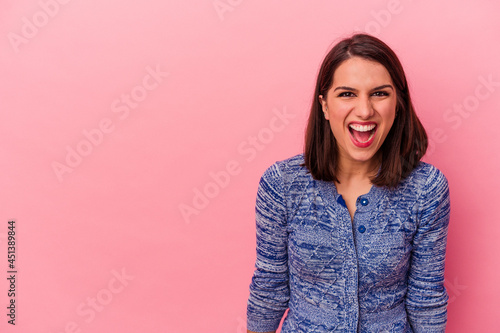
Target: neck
[[351, 170]]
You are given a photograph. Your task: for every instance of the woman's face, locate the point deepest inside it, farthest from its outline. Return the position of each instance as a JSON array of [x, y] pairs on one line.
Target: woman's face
[[361, 107]]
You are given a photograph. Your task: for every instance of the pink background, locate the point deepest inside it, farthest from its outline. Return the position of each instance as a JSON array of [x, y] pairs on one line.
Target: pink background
[[76, 79]]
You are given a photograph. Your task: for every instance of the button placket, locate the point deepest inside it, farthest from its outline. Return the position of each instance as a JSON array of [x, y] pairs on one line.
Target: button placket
[[363, 202]]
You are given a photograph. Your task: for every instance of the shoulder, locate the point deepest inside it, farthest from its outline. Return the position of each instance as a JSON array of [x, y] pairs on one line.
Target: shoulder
[[424, 178], [290, 176], [426, 185], [290, 168], [428, 188]]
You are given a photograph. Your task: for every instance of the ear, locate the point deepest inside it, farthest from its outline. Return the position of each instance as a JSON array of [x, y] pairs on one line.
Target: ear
[[324, 106]]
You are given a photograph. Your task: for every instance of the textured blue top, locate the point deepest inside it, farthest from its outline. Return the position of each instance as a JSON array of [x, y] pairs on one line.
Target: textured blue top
[[382, 272]]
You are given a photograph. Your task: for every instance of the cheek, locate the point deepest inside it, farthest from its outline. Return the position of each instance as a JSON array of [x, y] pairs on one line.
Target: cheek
[[338, 130], [388, 121], [387, 111], [339, 111]]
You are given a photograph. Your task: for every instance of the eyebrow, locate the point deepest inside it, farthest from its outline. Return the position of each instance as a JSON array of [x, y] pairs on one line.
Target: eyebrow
[[376, 88]]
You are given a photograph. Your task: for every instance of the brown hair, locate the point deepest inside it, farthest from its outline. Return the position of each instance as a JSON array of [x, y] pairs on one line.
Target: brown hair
[[406, 141]]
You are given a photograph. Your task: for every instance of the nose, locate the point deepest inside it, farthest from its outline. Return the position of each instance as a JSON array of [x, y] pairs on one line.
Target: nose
[[364, 108]]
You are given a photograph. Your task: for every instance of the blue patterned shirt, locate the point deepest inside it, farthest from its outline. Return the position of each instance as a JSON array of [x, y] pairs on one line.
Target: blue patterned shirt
[[382, 272]]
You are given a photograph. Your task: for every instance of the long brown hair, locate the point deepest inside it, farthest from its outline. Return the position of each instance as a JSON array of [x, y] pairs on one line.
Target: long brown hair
[[406, 141]]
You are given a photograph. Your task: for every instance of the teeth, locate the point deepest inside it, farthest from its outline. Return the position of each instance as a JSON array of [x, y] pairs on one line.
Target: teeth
[[362, 128]]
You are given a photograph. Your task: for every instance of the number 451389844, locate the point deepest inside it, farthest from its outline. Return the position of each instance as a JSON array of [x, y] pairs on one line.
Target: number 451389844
[[11, 250]]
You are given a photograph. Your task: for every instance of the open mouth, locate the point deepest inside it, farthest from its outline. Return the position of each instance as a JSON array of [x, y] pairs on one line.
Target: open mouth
[[362, 134]]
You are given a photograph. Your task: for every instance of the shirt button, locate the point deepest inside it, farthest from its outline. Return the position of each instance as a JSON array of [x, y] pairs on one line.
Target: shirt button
[[362, 228], [364, 201]]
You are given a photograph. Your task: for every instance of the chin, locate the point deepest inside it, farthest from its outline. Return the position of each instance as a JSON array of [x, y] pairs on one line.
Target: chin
[[362, 157]]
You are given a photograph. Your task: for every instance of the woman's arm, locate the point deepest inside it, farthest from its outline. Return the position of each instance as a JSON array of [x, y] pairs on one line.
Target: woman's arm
[[427, 299], [269, 290]]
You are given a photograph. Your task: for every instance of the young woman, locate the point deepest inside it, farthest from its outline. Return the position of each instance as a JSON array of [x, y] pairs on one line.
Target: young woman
[[351, 235]]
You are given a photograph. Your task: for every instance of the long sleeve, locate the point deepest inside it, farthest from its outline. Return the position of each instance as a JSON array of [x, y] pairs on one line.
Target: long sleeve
[[269, 289], [427, 299]]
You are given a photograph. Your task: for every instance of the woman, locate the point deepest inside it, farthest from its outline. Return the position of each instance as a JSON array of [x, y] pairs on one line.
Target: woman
[[351, 235]]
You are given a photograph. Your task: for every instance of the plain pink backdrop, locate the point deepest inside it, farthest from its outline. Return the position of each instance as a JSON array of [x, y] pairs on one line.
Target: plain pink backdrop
[[175, 109]]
